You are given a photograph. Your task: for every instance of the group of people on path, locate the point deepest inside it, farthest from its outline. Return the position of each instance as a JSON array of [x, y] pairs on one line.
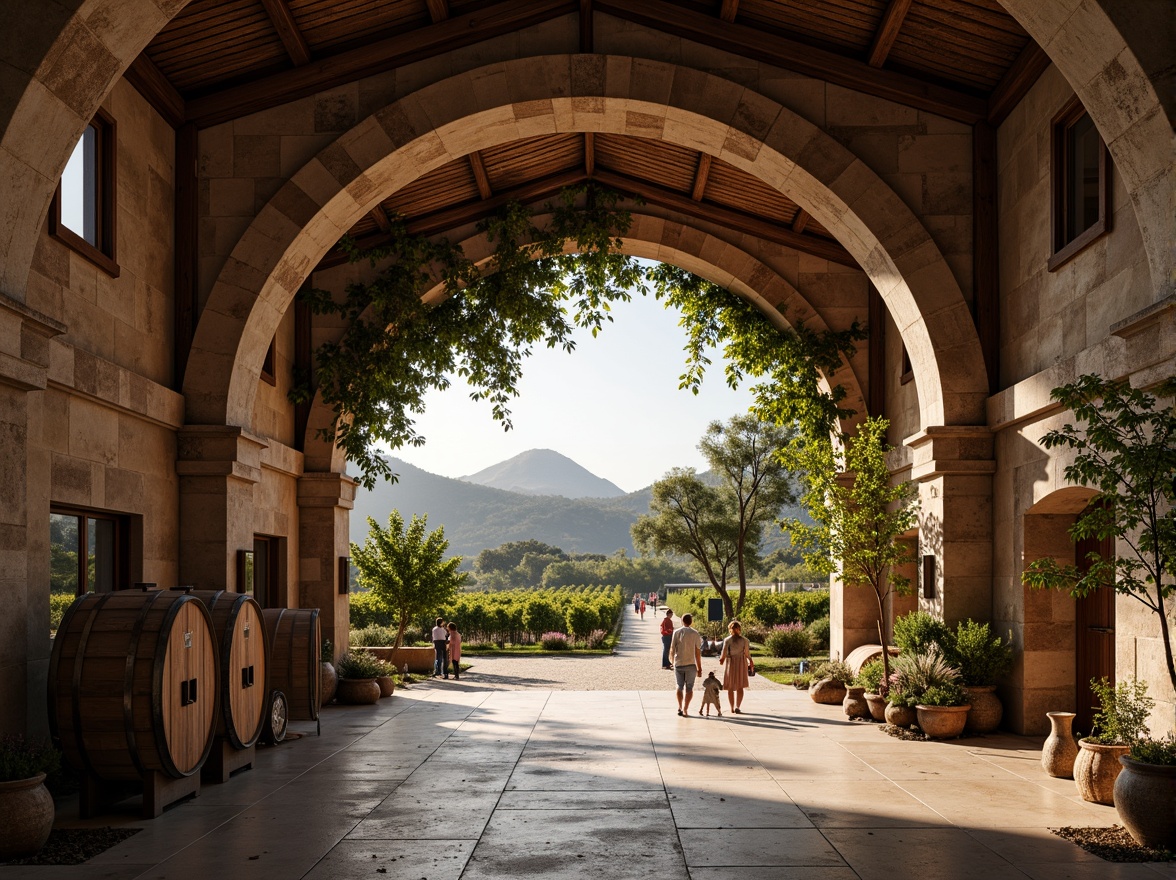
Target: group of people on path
[[447, 648], [640, 606], [682, 652]]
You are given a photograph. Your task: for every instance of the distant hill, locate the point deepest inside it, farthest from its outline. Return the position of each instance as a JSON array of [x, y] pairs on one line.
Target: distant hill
[[545, 472], [476, 517]]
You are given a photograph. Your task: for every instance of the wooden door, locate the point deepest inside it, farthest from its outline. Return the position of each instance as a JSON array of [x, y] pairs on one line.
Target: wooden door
[[1095, 633]]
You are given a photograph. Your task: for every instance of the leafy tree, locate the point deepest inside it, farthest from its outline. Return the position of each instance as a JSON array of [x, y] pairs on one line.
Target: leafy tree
[[508, 556], [405, 568], [1126, 448], [859, 515], [530, 569]]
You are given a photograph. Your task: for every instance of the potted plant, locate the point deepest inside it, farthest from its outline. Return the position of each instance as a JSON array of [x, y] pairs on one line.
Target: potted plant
[[26, 807], [385, 679], [933, 685], [1120, 722], [832, 679], [871, 677], [328, 678], [1144, 790], [357, 678], [982, 658], [900, 704]]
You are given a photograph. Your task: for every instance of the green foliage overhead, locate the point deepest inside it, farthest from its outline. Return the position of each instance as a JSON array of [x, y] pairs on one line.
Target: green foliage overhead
[[486, 319], [1126, 449], [405, 569]]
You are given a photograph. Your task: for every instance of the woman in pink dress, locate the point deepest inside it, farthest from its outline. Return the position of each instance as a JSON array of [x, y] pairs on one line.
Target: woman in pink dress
[[736, 660], [454, 650]]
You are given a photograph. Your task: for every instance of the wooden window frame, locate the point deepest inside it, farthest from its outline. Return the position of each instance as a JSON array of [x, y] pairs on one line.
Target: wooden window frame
[[104, 254], [122, 543], [1060, 167]]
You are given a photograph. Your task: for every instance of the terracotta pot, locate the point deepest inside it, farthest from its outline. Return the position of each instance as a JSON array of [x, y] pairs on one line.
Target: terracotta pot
[[877, 706], [1145, 796], [1095, 770], [328, 681], [827, 691], [986, 711], [387, 685], [1060, 749], [855, 704], [26, 817], [901, 716], [358, 691], [942, 722]]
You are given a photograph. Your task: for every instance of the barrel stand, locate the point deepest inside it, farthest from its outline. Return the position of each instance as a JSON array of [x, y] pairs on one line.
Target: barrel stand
[[223, 760], [158, 790]]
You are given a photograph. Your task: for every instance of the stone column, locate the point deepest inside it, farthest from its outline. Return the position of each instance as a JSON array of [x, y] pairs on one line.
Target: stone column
[[953, 467], [324, 505], [24, 625], [218, 466]]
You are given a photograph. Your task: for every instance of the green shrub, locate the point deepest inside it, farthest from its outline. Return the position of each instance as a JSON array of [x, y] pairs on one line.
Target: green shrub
[[870, 676], [819, 630], [554, 641], [947, 694], [22, 758], [916, 632], [838, 670], [981, 657], [802, 680], [756, 632], [361, 664], [366, 611], [1123, 712], [596, 639], [915, 674], [58, 603], [1155, 751], [373, 637], [789, 640]]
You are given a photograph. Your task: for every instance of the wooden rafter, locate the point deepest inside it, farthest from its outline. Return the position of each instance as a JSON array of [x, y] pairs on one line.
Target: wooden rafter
[[1016, 82], [587, 26], [150, 82], [800, 221], [380, 216], [728, 10], [438, 10], [480, 178], [760, 44], [589, 154], [283, 21], [700, 176], [887, 31], [377, 57]]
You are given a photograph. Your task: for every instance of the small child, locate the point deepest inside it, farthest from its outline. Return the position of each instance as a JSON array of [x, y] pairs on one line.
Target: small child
[[710, 694]]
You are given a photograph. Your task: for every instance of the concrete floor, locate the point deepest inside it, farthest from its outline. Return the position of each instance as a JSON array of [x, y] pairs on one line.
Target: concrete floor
[[446, 780]]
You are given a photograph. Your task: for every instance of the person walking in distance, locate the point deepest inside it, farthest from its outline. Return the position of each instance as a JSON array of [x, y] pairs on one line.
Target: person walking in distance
[[642, 608], [440, 637], [686, 655], [667, 633]]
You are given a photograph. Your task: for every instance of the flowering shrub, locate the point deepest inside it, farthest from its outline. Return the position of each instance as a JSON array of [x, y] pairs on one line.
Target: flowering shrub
[[595, 639], [554, 641], [789, 640]]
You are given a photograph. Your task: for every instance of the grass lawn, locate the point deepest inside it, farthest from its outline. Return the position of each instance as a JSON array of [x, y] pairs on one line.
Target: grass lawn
[[530, 650], [782, 669]]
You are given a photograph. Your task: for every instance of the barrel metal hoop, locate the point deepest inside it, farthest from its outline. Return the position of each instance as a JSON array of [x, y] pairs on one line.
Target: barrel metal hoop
[[226, 670], [129, 683], [76, 695], [313, 652]]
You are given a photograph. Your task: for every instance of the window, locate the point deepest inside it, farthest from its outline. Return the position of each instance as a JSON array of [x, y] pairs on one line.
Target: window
[[1080, 183], [87, 552], [83, 212], [267, 366], [908, 371]]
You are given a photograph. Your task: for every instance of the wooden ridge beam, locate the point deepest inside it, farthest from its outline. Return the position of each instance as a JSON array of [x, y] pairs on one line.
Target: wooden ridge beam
[[700, 176], [379, 215], [587, 27], [378, 57], [589, 154], [288, 31], [438, 10], [1016, 82], [150, 82], [887, 33], [480, 178], [771, 48], [800, 221], [728, 10], [757, 226]]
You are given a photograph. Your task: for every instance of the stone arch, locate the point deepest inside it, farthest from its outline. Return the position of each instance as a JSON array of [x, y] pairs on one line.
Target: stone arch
[[1118, 58], [654, 238], [574, 93]]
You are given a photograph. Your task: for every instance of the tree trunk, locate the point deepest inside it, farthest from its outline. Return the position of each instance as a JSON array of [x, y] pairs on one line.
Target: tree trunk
[[1164, 630], [400, 631]]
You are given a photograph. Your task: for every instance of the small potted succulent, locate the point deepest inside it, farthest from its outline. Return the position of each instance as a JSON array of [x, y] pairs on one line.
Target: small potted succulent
[[26, 807], [871, 679], [328, 678], [1145, 792], [1120, 722], [358, 672], [832, 680], [983, 659]]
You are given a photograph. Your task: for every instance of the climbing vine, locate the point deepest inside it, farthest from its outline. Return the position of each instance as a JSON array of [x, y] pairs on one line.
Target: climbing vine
[[540, 283]]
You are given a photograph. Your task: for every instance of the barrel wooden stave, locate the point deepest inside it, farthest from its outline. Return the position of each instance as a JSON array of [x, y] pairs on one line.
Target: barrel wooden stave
[[295, 646]]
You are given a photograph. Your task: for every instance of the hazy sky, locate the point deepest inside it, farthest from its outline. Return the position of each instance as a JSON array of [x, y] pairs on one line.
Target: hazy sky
[[612, 405]]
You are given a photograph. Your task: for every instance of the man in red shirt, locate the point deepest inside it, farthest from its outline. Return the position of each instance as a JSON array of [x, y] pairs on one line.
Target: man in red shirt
[[667, 633]]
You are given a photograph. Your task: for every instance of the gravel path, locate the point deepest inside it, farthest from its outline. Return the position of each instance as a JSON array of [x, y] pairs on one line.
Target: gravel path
[[634, 666]]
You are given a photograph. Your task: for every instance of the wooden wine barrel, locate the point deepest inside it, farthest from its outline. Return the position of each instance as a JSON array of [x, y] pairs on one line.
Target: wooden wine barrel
[[244, 662], [295, 646], [132, 684]]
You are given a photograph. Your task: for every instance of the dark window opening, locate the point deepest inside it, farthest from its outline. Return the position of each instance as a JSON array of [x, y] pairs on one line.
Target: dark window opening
[[88, 552], [908, 371], [83, 212], [1080, 182], [267, 366]]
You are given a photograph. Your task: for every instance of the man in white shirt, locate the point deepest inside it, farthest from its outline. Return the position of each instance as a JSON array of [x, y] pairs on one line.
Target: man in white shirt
[[440, 637], [686, 655]]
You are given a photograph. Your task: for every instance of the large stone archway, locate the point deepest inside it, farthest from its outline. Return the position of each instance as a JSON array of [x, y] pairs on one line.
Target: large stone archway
[[573, 93]]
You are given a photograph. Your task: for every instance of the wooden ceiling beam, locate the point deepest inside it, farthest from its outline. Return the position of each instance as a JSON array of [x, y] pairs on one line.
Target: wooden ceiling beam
[[800, 221], [587, 27], [381, 217], [700, 176], [1016, 82], [589, 154], [150, 82], [480, 178], [710, 212], [729, 10], [377, 57], [760, 45], [887, 32], [288, 31], [438, 10]]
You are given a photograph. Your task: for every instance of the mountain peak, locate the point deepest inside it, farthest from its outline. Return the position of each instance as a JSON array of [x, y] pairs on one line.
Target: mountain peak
[[545, 472]]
